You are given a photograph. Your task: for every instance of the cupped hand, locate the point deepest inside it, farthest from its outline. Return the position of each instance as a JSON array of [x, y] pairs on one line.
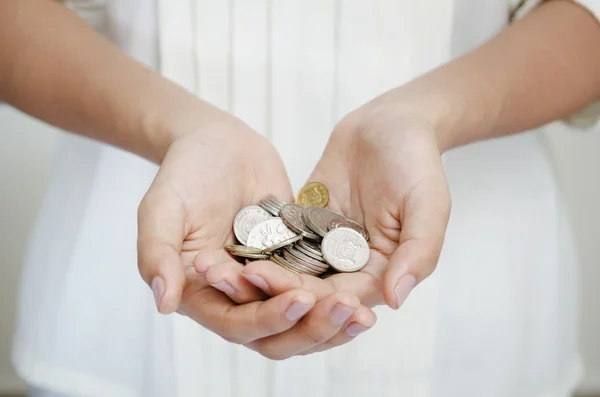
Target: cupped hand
[[203, 181], [383, 168], [187, 214]]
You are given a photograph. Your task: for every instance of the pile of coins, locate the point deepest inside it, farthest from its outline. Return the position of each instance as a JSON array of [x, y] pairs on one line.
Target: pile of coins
[[303, 237]]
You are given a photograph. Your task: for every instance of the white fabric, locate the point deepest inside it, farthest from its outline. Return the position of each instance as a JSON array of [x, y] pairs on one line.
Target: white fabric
[[499, 316]]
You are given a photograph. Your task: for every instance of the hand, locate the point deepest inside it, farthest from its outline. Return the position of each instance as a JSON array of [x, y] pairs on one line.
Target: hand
[[205, 179], [383, 168]]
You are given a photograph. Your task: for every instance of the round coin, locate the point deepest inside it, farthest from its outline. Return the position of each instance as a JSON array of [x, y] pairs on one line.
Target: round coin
[[301, 266], [317, 219], [349, 223], [274, 201], [291, 214], [269, 207], [345, 250], [308, 252], [283, 263], [242, 249], [282, 244], [246, 219], [316, 248], [268, 233], [313, 194], [306, 260]]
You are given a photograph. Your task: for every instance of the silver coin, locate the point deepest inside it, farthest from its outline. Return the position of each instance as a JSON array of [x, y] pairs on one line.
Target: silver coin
[[305, 258], [275, 202], [268, 233], [291, 214], [269, 208], [349, 223], [345, 250], [308, 252], [282, 244], [272, 198], [299, 266], [242, 249], [317, 219], [316, 248], [283, 263], [246, 219]]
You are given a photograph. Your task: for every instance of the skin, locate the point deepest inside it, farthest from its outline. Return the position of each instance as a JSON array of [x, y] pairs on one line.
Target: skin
[[382, 164], [397, 137]]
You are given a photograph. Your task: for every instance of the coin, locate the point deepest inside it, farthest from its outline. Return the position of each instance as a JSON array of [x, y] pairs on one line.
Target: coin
[[282, 244], [291, 215], [311, 246], [268, 233], [246, 219], [267, 206], [317, 219], [283, 263], [306, 259], [301, 266], [313, 194], [345, 249], [242, 249], [349, 223], [308, 252], [275, 201]]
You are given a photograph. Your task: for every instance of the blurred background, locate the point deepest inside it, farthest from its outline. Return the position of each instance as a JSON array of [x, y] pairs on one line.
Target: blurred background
[[25, 162]]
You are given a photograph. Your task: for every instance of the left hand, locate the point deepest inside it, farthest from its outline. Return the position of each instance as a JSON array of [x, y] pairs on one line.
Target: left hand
[[383, 169]]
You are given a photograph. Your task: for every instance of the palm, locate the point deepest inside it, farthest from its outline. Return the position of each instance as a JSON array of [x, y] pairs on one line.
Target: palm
[[375, 179], [200, 189]]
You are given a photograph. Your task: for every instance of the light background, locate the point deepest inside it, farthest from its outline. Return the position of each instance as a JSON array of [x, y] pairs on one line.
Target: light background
[[26, 156]]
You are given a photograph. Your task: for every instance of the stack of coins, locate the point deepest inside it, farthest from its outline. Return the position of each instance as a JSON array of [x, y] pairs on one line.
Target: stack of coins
[[304, 237]]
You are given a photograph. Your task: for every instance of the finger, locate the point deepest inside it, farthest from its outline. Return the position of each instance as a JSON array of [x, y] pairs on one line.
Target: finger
[[274, 280], [424, 222], [362, 320], [245, 323], [206, 259], [227, 277], [324, 321], [224, 273], [160, 235]]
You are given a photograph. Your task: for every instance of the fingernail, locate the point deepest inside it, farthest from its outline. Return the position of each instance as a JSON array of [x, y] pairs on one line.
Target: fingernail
[[403, 288], [257, 281], [296, 310], [158, 289], [340, 313], [355, 329], [224, 286]]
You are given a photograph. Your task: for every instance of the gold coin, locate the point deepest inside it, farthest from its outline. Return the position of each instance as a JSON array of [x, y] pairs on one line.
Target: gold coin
[[313, 194]]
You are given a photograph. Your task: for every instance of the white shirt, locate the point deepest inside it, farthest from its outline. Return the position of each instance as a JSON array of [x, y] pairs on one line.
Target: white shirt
[[499, 316]]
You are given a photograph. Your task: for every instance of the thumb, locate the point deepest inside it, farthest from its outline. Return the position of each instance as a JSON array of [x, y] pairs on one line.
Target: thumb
[[424, 220], [160, 236]]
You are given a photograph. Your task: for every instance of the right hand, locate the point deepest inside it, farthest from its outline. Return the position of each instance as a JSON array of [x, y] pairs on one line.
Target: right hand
[[206, 177]]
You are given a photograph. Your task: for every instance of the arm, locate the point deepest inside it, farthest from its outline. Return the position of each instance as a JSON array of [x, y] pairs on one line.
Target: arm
[[56, 68], [547, 64], [383, 165]]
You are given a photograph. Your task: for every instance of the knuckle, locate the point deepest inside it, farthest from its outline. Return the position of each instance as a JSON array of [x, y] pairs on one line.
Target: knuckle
[[269, 351], [235, 339], [315, 332]]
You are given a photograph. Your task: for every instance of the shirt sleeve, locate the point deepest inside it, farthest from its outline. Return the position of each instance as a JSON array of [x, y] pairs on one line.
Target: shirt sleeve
[[590, 116]]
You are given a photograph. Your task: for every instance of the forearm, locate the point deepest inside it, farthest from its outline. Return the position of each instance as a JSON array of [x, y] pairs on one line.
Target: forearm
[[55, 67], [542, 68]]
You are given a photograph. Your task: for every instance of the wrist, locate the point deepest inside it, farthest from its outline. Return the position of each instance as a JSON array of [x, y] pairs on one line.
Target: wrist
[[181, 118], [459, 106]]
